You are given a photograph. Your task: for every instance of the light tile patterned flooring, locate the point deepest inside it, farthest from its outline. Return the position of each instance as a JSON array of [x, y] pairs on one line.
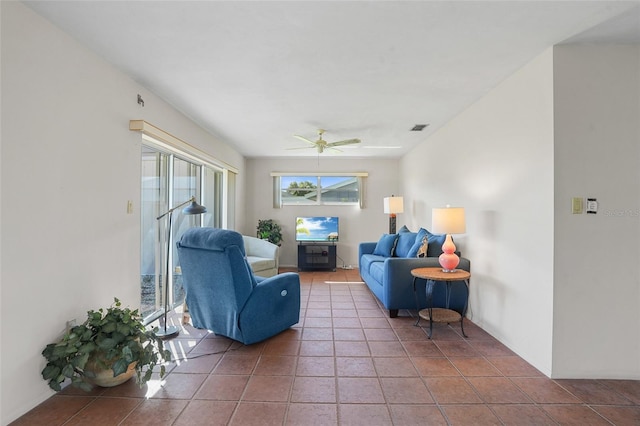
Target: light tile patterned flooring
[[347, 363]]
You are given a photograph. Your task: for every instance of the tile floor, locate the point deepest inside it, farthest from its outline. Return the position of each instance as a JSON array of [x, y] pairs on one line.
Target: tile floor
[[347, 363]]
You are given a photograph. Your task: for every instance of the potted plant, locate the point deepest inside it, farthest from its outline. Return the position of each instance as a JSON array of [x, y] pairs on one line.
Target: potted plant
[[112, 343], [269, 230]]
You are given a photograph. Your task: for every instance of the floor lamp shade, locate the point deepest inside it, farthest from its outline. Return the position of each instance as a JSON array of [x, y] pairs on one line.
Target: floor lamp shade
[[392, 206], [448, 220], [194, 208]]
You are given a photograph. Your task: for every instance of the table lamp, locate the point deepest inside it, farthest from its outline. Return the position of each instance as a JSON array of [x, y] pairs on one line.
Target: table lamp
[[448, 220], [392, 206], [194, 208]]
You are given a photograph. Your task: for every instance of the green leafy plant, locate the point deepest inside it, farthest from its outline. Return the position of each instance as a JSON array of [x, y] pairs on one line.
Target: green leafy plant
[[109, 339], [269, 230]]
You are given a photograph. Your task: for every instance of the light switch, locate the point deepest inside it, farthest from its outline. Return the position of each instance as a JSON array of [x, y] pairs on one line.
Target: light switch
[[577, 205], [129, 207]]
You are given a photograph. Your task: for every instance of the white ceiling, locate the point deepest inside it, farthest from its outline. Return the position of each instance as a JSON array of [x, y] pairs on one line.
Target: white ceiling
[[256, 73]]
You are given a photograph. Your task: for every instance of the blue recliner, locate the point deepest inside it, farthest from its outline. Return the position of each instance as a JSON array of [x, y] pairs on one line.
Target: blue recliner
[[224, 296]]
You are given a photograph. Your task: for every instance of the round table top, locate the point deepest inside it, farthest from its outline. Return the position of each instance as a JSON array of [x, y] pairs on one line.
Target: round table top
[[438, 274]]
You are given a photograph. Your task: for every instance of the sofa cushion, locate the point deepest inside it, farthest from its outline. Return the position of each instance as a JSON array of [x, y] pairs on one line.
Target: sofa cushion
[[377, 272], [404, 244], [386, 245], [367, 260], [403, 229]]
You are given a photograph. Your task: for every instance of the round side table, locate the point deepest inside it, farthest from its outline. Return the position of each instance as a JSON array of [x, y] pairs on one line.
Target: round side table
[[446, 315]]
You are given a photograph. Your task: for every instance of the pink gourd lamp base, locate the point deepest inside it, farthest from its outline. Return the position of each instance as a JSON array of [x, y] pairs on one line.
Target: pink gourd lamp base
[[449, 260]]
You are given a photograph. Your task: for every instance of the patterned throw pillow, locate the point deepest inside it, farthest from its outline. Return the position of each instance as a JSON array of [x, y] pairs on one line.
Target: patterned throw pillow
[[422, 251], [417, 243]]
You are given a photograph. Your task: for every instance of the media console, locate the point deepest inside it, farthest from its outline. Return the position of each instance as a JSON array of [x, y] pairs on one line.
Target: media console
[[316, 257]]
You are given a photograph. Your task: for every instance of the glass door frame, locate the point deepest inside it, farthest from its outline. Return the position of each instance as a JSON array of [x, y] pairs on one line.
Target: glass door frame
[[205, 175]]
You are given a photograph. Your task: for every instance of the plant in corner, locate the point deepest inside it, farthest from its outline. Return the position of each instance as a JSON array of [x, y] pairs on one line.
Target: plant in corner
[[269, 230], [113, 339]]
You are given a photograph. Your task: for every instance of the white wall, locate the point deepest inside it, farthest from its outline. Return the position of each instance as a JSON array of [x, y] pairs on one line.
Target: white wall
[[561, 290], [69, 165], [496, 160], [356, 224], [597, 154]]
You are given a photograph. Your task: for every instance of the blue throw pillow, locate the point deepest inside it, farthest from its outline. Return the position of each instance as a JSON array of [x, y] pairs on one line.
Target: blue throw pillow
[[404, 244], [417, 242], [386, 245], [403, 229]]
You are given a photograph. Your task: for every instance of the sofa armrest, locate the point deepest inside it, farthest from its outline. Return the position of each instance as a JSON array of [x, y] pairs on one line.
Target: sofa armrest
[[366, 248], [399, 281], [400, 267]]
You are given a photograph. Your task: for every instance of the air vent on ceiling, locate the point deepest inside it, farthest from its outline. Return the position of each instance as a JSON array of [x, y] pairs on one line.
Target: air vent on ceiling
[[418, 127]]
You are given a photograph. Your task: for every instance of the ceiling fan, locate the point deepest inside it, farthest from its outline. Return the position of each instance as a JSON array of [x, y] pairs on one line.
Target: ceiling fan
[[321, 144]]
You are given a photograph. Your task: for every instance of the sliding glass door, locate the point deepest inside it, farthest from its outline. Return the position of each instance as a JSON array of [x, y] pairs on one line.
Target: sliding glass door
[[167, 181], [155, 193]]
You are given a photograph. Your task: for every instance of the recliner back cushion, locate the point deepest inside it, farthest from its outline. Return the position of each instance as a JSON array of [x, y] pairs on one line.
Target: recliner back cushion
[[219, 250], [212, 239]]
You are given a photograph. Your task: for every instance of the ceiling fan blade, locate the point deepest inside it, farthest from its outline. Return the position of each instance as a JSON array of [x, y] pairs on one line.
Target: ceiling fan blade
[[345, 142], [302, 147], [302, 138]]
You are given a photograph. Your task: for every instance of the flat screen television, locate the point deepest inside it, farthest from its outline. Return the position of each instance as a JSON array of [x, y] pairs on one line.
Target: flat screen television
[[317, 229]]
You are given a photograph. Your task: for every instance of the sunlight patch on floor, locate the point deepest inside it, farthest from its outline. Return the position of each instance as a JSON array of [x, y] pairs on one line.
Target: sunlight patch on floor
[[153, 386]]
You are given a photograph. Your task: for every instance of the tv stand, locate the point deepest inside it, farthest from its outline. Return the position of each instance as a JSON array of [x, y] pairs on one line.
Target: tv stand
[[317, 256]]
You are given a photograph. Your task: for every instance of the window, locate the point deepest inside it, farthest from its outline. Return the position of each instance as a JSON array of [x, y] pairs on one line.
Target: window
[[316, 189]]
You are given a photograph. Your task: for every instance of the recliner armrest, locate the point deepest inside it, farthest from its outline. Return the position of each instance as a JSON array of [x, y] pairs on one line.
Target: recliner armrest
[[273, 304]]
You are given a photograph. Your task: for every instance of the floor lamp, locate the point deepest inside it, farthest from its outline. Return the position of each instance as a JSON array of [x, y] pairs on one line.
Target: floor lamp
[[392, 206], [194, 208]]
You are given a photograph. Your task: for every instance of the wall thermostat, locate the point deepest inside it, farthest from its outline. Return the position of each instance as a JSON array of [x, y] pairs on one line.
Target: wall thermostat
[[592, 206]]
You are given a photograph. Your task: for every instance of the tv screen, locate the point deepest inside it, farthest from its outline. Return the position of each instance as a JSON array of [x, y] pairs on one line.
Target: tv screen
[[317, 229]]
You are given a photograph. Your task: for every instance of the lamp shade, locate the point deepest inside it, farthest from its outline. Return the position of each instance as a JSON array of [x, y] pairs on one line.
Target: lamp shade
[[194, 208], [393, 205], [448, 220]]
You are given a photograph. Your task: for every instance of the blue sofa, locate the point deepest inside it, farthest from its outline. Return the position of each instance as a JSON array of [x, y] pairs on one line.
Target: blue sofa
[[385, 266]]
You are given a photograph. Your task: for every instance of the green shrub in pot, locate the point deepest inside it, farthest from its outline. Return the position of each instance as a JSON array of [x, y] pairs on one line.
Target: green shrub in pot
[[269, 230], [114, 338]]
